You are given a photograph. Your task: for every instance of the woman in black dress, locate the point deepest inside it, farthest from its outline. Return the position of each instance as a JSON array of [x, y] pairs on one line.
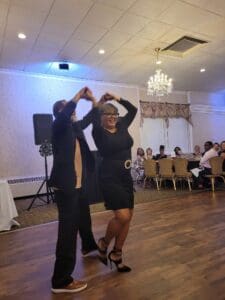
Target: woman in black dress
[[114, 143]]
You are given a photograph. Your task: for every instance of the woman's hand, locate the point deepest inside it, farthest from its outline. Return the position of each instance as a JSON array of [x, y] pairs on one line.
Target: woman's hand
[[102, 100], [109, 96]]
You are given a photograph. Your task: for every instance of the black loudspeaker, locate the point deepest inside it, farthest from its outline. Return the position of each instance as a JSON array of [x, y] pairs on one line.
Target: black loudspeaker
[[42, 128], [64, 66]]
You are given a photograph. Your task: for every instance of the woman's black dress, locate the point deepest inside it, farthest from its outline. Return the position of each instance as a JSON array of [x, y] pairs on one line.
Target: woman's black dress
[[115, 148]]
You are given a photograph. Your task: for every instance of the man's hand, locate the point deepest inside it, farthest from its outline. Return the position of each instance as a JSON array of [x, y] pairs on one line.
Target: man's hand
[[79, 95], [88, 95]]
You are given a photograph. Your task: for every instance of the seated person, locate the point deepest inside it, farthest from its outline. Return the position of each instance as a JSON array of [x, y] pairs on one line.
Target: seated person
[[161, 153], [138, 165], [207, 146], [205, 165], [177, 151], [197, 152], [149, 153], [222, 153]]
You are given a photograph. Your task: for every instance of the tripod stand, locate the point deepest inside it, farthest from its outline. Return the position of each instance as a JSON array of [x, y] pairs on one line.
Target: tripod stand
[[45, 150]]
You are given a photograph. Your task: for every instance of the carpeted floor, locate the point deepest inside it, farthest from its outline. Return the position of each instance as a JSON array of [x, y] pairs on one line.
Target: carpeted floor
[[42, 213]]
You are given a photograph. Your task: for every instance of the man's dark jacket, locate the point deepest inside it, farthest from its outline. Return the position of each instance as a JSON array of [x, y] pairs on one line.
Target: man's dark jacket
[[64, 135]]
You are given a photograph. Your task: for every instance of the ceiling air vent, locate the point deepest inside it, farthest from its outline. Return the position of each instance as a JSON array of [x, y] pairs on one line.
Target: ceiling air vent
[[183, 45]]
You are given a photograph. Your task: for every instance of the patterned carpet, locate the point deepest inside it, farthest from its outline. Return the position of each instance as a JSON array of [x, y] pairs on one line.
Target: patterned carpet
[[42, 213]]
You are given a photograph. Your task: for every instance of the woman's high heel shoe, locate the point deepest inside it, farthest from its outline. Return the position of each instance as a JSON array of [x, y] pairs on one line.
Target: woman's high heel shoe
[[118, 262], [102, 249]]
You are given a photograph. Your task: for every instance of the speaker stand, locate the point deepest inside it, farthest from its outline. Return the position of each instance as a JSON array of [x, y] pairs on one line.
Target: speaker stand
[[43, 184]]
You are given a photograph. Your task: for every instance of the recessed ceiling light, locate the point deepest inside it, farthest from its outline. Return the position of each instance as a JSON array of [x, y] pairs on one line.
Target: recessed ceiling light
[[101, 51], [158, 62], [21, 36], [202, 70]]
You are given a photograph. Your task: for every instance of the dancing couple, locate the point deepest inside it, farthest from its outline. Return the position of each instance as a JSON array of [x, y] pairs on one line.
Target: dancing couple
[[71, 160]]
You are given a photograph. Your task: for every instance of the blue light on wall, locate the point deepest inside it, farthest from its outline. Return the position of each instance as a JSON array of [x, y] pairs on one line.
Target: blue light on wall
[[217, 99]]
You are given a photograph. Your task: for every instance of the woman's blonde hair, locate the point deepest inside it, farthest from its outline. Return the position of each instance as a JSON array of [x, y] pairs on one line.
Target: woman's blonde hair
[[108, 108]]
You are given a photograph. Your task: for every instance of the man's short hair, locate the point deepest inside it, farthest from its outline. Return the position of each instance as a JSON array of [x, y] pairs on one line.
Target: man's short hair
[[161, 147], [210, 143], [57, 107]]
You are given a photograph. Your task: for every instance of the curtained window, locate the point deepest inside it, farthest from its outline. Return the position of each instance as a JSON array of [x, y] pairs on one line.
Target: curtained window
[[164, 110], [166, 124]]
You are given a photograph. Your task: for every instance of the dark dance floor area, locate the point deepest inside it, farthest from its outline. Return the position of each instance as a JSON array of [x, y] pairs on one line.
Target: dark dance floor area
[[176, 248]]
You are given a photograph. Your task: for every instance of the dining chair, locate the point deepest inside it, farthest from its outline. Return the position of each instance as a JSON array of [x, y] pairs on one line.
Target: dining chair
[[181, 172], [150, 172], [166, 171], [217, 170]]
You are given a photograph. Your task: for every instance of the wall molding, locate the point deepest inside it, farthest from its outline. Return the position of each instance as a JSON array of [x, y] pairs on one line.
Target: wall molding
[[207, 109]]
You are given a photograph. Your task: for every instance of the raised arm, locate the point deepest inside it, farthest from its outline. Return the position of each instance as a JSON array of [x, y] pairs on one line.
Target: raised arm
[[131, 112], [64, 114], [94, 115], [88, 119]]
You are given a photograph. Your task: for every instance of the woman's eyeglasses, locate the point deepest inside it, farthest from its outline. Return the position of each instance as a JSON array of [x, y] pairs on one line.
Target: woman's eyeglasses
[[115, 115]]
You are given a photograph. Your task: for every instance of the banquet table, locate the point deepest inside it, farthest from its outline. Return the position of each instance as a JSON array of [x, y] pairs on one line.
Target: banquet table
[[8, 209]]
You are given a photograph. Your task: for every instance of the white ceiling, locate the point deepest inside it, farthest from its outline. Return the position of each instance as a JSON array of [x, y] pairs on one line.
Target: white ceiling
[[128, 30]]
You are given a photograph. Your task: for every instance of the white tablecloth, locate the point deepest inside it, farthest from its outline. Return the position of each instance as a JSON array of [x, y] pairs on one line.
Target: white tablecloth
[[7, 207]]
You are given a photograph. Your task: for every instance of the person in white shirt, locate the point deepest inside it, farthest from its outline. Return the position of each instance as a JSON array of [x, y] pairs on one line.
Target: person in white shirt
[[207, 146], [204, 161], [205, 165]]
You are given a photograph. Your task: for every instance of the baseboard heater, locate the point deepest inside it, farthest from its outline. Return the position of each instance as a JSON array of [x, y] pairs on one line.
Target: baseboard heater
[[25, 187]]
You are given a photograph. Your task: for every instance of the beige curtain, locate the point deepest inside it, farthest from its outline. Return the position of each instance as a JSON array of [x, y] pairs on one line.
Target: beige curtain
[[165, 111]]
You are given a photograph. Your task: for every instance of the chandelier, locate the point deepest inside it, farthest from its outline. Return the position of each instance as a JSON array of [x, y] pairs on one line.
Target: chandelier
[[159, 84]]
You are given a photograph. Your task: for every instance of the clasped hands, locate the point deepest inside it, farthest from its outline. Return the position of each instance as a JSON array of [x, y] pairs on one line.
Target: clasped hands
[[86, 93]]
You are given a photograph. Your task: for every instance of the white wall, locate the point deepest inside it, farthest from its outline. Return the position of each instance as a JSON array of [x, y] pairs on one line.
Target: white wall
[[22, 95], [208, 116], [213, 99]]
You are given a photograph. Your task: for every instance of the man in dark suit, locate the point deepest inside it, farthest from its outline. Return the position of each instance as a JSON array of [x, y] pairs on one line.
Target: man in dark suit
[[72, 159]]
